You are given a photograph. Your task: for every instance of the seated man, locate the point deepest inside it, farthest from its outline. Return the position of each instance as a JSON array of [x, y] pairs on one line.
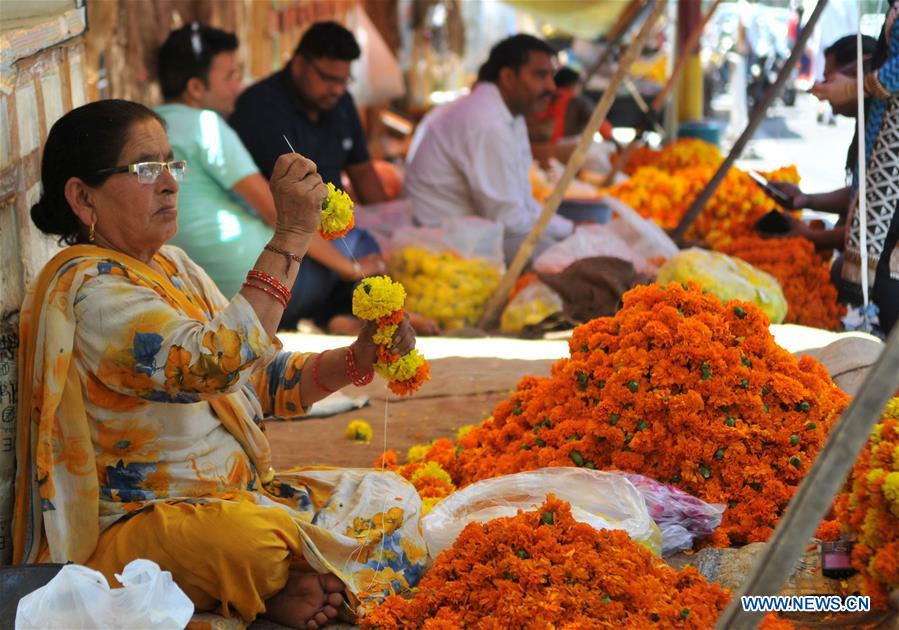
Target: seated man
[[227, 210], [474, 156], [307, 102]]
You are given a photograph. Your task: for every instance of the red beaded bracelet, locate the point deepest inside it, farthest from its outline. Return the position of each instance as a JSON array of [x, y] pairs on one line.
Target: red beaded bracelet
[[271, 281], [315, 377], [278, 297], [352, 371]]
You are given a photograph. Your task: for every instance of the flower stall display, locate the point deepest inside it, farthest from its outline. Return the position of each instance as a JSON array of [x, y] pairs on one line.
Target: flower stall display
[[803, 274], [655, 194], [728, 278], [444, 286], [869, 508], [679, 387], [544, 569], [380, 299]]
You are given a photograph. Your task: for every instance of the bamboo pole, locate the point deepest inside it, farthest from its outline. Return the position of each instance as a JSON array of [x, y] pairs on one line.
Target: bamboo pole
[[495, 304], [816, 492], [754, 121], [659, 101]]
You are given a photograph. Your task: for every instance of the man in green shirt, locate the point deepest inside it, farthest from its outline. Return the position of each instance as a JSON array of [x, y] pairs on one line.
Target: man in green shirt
[[225, 205]]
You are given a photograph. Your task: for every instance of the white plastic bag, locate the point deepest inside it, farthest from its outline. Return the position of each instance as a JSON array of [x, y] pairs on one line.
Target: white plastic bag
[[588, 241], [644, 237], [603, 500], [469, 237], [79, 597]]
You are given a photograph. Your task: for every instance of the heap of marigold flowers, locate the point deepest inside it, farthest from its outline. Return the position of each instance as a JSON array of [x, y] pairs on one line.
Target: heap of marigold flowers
[[678, 387], [803, 274], [869, 508], [543, 569], [380, 299], [731, 212], [444, 286], [654, 194], [431, 481]]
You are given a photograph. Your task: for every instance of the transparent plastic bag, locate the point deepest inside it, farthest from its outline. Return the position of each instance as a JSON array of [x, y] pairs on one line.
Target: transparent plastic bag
[[588, 241], [601, 499], [728, 278], [682, 518], [79, 597], [468, 237], [529, 307], [644, 237]]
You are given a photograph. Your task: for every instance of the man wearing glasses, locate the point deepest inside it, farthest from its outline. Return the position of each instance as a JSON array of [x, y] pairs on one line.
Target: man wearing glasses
[[308, 102]]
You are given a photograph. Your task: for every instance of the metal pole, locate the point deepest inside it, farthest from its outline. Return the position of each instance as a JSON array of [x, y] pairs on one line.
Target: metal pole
[[498, 299], [754, 121]]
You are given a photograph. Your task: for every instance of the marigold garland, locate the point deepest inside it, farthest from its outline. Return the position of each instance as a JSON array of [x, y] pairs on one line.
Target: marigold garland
[[337, 214], [543, 569], [380, 299], [869, 508], [676, 386], [803, 274]]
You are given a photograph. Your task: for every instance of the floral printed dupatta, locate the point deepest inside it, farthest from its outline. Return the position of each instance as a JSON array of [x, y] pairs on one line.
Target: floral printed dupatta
[[57, 489]]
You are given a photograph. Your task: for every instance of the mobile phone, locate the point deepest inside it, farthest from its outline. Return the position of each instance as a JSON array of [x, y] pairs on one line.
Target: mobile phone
[[771, 191]]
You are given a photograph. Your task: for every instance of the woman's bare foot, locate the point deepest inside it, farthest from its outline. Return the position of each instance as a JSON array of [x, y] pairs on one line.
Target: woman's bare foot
[[308, 600], [344, 325]]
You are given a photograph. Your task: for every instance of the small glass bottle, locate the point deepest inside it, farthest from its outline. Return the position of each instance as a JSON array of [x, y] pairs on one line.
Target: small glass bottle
[[836, 559]]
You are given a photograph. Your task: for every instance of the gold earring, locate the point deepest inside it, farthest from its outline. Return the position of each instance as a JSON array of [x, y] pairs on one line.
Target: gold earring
[[90, 234]]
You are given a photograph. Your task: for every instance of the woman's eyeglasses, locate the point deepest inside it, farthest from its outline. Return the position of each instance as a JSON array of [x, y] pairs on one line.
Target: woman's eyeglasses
[[149, 172]]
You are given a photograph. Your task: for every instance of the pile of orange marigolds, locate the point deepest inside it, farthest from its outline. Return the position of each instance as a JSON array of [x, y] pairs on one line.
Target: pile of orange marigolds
[[676, 386]]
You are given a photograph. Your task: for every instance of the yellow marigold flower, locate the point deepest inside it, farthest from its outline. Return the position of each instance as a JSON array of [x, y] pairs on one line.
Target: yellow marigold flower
[[417, 452], [876, 434], [337, 213], [465, 430], [359, 430], [891, 488], [384, 336], [892, 410], [403, 368], [870, 528], [874, 475], [377, 297], [431, 469]]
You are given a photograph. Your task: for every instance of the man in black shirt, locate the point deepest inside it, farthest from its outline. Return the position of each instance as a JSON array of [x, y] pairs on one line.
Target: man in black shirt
[[308, 102]]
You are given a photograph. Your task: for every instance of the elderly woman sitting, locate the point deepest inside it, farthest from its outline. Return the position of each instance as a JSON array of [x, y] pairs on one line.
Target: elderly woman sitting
[[142, 391]]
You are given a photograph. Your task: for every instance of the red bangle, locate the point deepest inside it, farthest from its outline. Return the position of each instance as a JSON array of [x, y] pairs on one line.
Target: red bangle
[[352, 371], [254, 274], [315, 376], [278, 297]]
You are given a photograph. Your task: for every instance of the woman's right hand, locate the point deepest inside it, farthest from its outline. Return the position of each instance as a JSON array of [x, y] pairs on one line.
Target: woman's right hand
[[298, 192]]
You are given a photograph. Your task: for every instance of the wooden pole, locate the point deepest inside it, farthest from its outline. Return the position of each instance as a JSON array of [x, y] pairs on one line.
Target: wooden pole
[[659, 101], [754, 121], [813, 499], [498, 299]]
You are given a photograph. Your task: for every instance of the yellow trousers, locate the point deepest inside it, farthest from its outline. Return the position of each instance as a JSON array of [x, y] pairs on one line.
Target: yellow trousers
[[229, 554]]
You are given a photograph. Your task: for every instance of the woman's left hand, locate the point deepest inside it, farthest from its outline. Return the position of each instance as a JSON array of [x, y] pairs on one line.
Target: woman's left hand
[[365, 349]]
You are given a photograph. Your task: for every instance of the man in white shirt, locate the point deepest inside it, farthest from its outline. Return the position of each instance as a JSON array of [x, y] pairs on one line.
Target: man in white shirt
[[474, 156]]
